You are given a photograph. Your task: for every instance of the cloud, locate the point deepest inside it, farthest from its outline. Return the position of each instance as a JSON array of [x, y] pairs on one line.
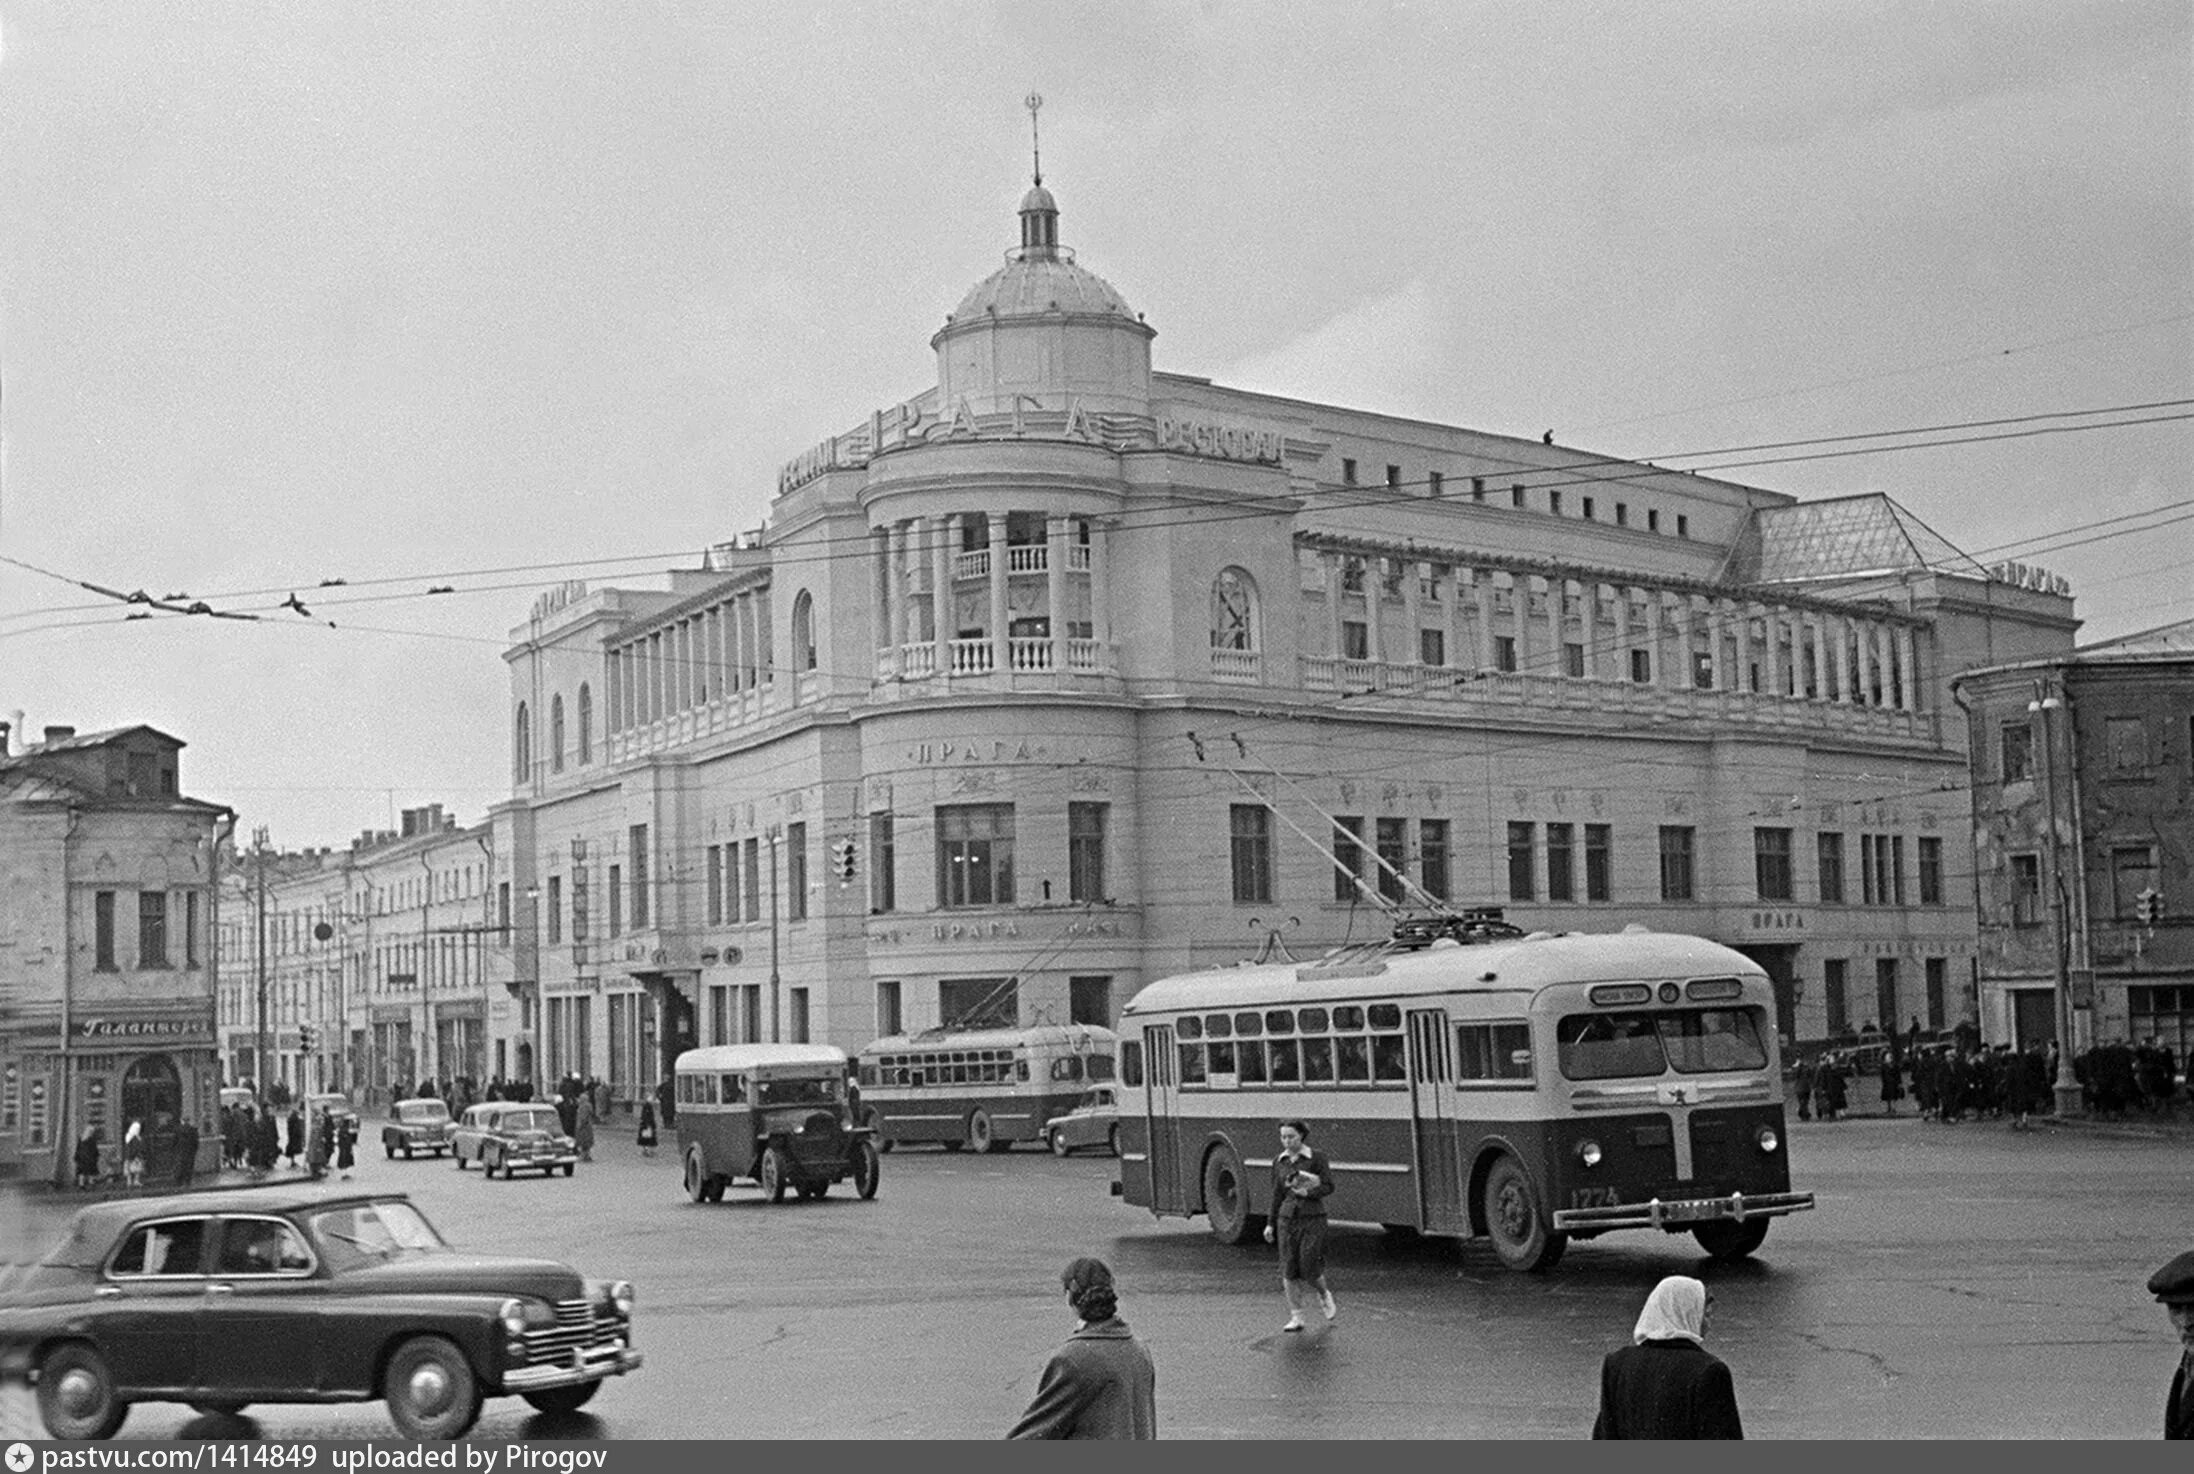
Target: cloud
[[1391, 352]]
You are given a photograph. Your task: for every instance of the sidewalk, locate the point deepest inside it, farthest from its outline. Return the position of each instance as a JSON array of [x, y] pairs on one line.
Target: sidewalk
[[221, 1181]]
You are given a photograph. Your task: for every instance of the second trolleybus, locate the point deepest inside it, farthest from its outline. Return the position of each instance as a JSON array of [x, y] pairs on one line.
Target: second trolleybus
[[1527, 1090], [980, 1088]]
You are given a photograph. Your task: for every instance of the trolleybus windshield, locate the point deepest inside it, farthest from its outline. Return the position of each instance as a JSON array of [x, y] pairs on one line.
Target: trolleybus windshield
[[1697, 1041]]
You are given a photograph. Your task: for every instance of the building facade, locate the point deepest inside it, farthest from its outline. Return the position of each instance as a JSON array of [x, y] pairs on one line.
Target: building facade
[[369, 970], [108, 910], [1064, 674], [2102, 738]]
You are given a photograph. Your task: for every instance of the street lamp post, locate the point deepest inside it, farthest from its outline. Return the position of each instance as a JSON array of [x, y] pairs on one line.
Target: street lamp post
[[2067, 1089], [776, 1015]]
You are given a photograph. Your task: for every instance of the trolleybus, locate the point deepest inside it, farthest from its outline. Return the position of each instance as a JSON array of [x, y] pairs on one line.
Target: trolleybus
[[980, 1088], [1528, 1090]]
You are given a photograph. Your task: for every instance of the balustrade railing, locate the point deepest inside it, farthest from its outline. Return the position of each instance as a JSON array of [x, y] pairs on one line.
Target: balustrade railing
[[971, 565], [1028, 558]]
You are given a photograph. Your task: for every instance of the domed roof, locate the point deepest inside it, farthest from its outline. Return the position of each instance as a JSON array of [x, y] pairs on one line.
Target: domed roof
[[1035, 287], [1039, 198]]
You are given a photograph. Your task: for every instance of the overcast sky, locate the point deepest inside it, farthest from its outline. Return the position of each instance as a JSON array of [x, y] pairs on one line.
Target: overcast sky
[[413, 291]]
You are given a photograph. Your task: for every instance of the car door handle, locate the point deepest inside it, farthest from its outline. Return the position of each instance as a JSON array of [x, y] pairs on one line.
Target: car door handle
[[107, 1292], [220, 1289]]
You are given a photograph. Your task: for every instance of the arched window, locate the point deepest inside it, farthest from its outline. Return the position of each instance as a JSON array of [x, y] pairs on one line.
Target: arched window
[[1233, 611], [521, 759], [586, 724], [556, 733], [803, 632]]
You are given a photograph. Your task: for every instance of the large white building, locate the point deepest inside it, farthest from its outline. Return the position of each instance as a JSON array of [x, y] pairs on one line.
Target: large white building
[[1068, 662]]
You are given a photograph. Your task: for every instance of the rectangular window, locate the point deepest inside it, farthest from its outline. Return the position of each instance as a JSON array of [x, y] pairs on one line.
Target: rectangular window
[[1885, 992], [616, 906], [502, 907], [1435, 482], [883, 868], [978, 1003], [1622, 514], [556, 909], [1561, 862], [152, 928], [1348, 856], [2132, 870], [1089, 1001], [1523, 879], [1835, 984], [1931, 870], [1869, 886], [1938, 987], [2125, 742], [887, 1009], [1588, 508], [1355, 640], [1432, 647], [1653, 520], [2026, 890], [1249, 844], [796, 875], [1893, 864], [1599, 862], [1573, 659], [975, 855], [1392, 838], [102, 931], [1086, 851], [1829, 858], [1432, 858], [1477, 488], [1554, 502], [797, 1030], [190, 928], [1348, 470], [1683, 525], [751, 859], [1678, 880], [2016, 744], [1493, 1052], [715, 884], [1641, 667], [1504, 652], [1394, 476], [639, 855], [1771, 866], [1516, 496]]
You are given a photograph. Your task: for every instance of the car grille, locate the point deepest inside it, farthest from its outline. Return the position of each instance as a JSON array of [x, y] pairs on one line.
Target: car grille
[[577, 1324]]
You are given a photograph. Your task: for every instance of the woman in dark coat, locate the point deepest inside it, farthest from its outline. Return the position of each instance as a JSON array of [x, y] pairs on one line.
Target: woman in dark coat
[[1893, 1081], [646, 1135], [294, 1147], [1666, 1384], [346, 1146], [1101, 1383], [87, 1158]]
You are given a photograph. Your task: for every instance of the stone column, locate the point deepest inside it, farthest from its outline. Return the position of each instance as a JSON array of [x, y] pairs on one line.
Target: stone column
[[1100, 593], [1557, 625], [1375, 611], [1482, 580], [1824, 678], [1773, 663], [1743, 613], [1908, 659], [1457, 576], [1687, 639], [879, 562], [1846, 633], [1519, 618], [942, 531], [1001, 653], [900, 579], [1333, 562], [1882, 666], [1413, 612], [1055, 571]]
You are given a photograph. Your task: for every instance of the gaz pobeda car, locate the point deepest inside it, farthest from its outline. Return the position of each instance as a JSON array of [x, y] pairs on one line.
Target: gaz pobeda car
[[777, 1113], [1094, 1121], [514, 1136], [298, 1294], [415, 1126]]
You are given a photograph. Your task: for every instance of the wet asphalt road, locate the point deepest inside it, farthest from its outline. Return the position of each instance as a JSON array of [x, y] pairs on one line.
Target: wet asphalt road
[[1956, 1281]]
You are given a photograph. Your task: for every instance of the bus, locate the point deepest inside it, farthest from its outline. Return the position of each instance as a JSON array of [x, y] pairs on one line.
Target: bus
[[980, 1088], [776, 1113], [1525, 1090]]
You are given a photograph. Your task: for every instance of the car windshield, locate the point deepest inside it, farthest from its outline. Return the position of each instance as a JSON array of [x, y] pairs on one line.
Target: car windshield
[[425, 1110], [1613, 1046], [806, 1090], [1093, 1098], [374, 1231], [542, 1119]]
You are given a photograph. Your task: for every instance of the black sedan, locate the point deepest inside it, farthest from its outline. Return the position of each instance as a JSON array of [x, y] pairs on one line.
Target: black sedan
[[286, 1295]]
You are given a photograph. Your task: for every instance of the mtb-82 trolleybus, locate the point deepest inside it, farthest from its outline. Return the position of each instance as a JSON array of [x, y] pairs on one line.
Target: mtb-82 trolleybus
[[1470, 1081], [980, 1088]]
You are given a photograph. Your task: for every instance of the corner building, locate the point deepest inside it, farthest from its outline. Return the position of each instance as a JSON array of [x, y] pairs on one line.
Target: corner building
[[1063, 658]]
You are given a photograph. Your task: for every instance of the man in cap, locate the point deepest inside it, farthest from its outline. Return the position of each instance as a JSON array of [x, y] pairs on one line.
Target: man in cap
[[2174, 1286]]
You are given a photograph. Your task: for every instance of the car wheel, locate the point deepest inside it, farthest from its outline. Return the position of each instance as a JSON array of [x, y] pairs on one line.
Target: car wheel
[[1728, 1239], [1520, 1234], [775, 1176], [1226, 1198], [868, 1170], [563, 1399], [697, 1179], [569, 1168], [979, 1134], [430, 1390], [1059, 1147], [76, 1394]]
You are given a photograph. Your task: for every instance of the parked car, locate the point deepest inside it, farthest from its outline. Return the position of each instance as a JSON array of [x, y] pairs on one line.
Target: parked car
[[414, 1126], [777, 1113], [1094, 1121], [338, 1107], [225, 1299], [513, 1137]]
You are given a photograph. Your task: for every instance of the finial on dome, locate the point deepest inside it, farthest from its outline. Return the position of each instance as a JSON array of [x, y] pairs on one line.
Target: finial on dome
[[1034, 102]]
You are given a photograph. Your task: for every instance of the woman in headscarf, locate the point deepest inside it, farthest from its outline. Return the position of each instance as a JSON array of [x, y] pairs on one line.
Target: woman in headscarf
[[1666, 1384], [1101, 1383]]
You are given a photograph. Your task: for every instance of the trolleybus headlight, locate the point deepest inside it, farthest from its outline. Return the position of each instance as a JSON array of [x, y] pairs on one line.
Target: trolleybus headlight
[[1588, 1152], [1767, 1138]]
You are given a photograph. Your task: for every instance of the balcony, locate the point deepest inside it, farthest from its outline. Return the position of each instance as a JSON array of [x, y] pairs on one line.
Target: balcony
[[1028, 558], [971, 565], [1236, 665]]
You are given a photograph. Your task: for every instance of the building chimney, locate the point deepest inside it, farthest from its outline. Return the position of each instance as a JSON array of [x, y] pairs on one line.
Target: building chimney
[[59, 734]]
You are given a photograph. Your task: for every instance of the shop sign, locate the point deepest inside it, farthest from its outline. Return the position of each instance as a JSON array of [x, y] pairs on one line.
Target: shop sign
[[101, 1029], [1778, 921]]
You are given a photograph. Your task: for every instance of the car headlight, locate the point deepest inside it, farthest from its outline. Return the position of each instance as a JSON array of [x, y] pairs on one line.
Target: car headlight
[[512, 1314], [620, 1295], [1767, 1138], [1588, 1152]]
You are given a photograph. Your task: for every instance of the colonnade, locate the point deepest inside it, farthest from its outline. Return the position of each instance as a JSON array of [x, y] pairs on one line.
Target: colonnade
[[951, 602], [717, 651]]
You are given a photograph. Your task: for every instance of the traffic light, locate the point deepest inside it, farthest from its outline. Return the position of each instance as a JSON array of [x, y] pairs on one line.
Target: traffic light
[[308, 1038], [842, 859], [2151, 904]]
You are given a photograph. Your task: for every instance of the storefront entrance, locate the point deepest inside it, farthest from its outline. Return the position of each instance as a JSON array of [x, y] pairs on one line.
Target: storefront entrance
[[2033, 1016], [152, 1094]]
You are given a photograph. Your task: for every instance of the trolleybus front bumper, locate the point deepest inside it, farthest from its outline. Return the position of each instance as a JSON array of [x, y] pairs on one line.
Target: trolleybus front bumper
[[1681, 1212]]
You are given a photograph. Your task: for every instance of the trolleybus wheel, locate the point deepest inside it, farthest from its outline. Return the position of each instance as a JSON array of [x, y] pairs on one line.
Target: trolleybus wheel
[[867, 1170], [1729, 1238], [979, 1134], [776, 1175], [1226, 1198], [1520, 1235]]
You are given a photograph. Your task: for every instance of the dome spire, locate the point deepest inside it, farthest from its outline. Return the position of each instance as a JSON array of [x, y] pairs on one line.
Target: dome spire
[[1039, 212]]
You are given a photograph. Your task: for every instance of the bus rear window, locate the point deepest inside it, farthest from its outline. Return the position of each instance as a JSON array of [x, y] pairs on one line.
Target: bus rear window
[[1615, 1046]]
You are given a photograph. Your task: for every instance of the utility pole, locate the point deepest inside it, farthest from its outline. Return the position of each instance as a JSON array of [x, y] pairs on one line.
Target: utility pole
[[776, 1014], [259, 958], [2067, 1088]]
